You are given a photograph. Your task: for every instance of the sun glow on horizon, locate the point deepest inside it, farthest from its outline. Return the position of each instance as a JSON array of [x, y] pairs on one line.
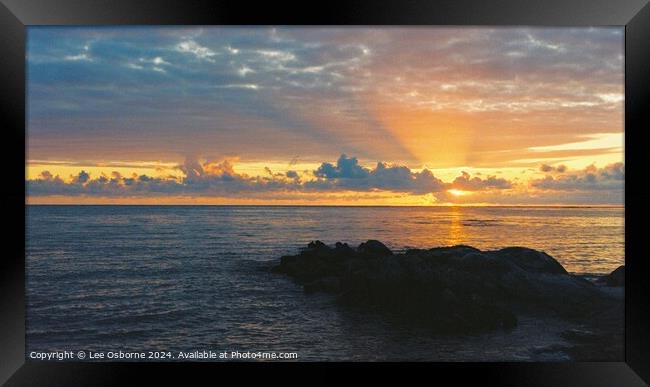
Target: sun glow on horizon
[[458, 192]]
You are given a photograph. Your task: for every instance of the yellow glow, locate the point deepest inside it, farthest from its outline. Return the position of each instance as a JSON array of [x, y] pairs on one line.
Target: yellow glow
[[304, 199], [456, 232], [457, 192]]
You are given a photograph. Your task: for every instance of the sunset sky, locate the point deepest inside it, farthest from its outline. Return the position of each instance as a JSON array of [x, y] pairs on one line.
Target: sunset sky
[[386, 116]]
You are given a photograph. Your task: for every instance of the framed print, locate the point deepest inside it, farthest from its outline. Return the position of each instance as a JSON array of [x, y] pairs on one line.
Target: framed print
[[430, 187]]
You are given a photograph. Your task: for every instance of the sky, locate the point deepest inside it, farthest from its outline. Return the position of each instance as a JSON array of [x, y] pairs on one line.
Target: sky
[[321, 115]]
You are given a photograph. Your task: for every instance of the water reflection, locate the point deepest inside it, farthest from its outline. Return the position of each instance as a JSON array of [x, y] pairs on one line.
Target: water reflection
[[456, 235]]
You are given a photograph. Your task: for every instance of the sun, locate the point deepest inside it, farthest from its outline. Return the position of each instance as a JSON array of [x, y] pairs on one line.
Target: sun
[[457, 192]]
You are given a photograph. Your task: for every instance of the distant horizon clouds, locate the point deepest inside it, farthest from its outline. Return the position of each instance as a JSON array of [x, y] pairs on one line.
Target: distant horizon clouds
[[220, 179]]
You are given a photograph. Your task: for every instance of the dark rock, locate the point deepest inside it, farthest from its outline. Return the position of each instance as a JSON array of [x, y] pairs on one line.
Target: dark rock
[[531, 260], [615, 278], [316, 245], [479, 262], [327, 285], [374, 247], [343, 248], [455, 289], [456, 250]]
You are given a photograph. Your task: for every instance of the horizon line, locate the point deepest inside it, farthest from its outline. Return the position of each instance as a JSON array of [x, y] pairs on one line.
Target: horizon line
[[332, 205]]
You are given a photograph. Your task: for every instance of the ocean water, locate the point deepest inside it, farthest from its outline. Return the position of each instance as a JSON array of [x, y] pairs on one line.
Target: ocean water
[[194, 278]]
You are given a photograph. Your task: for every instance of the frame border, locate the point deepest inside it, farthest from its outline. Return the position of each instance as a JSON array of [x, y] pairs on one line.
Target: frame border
[[16, 15]]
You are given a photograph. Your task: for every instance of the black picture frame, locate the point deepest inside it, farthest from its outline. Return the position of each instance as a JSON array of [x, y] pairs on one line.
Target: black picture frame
[[16, 15]]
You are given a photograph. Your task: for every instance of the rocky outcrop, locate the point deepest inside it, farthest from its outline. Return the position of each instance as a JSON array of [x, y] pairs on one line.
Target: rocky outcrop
[[451, 289]]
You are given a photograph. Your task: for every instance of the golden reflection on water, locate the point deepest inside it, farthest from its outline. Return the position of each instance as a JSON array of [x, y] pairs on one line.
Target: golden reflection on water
[[456, 233]]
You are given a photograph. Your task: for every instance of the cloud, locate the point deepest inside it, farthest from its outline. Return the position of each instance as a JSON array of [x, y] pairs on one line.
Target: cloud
[[154, 64], [200, 52], [610, 177], [347, 174], [78, 57], [242, 71], [346, 167], [548, 168], [82, 56], [159, 61], [467, 183], [250, 86], [83, 177]]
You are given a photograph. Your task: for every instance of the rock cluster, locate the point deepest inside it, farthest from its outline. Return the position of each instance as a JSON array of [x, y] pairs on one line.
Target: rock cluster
[[451, 289]]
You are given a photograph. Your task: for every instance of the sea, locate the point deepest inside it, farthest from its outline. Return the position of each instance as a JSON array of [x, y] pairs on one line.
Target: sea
[[171, 279]]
